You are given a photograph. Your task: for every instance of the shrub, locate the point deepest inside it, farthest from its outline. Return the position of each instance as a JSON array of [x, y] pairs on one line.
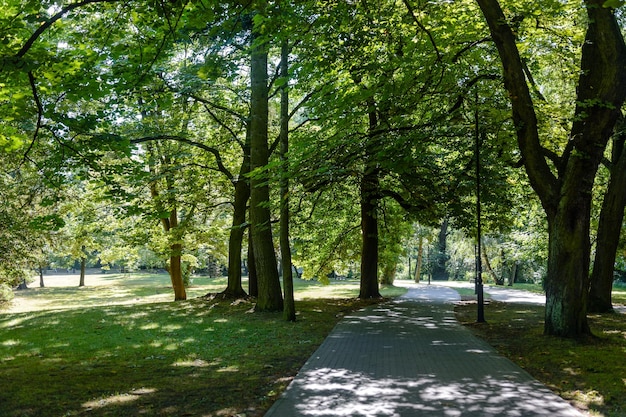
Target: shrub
[[6, 293]]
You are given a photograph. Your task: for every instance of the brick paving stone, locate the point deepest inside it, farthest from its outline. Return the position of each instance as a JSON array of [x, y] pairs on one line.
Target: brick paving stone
[[407, 358]]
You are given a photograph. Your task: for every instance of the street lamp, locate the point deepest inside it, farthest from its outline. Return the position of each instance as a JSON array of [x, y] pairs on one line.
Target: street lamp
[[479, 266]]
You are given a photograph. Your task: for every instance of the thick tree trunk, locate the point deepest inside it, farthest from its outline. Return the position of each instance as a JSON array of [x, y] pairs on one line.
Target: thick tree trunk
[[176, 274], [83, 265], [41, 283], [513, 274], [234, 287], [567, 279], [565, 192], [369, 231], [369, 195], [503, 269], [285, 247], [270, 296], [175, 267], [609, 228]]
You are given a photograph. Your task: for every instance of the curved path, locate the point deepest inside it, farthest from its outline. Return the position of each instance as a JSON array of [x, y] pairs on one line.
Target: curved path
[[410, 357]]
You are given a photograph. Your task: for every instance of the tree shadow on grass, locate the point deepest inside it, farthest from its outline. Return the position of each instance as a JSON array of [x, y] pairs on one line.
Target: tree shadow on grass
[[186, 358]]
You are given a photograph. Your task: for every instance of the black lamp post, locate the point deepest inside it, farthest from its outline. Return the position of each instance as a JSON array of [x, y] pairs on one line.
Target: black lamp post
[[479, 266]]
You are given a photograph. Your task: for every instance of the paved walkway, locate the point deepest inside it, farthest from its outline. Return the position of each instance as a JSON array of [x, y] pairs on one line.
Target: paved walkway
[[410, 357]]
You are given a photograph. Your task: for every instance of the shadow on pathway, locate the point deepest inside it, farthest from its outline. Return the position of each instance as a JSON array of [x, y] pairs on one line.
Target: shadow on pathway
[[410, 357]]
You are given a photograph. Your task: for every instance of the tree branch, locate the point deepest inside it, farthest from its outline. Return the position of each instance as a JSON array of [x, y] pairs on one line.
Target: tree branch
[[422, 27], [218, 158], [41, 29], [33, 86]]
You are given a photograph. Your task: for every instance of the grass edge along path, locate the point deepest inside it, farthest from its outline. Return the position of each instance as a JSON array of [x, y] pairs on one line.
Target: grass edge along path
[[201, 357], [590, 373]]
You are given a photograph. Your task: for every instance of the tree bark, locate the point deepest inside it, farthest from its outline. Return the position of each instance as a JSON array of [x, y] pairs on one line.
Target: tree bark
[[270, 296], [370, 194], [289, 311], [369, 231], [169, 226], [513, 274], [41, 283], [609, 228], [83, 265], [566, 194], [176, 273], [234, 288], [175, 268]]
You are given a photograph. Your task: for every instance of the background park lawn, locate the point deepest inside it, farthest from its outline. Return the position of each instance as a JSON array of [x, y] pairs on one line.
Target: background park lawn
[[119, 347]]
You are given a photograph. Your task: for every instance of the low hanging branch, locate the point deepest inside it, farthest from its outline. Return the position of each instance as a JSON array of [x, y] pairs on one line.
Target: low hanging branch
[[218, 158]]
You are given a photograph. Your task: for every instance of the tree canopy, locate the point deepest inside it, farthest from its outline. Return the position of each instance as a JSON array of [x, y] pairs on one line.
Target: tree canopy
[[170, 114]]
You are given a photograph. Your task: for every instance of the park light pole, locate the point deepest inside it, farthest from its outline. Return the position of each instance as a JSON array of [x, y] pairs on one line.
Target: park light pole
[[479, 266]]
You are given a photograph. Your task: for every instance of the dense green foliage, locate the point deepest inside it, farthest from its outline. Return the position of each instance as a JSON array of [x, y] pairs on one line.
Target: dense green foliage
[[146, 134]]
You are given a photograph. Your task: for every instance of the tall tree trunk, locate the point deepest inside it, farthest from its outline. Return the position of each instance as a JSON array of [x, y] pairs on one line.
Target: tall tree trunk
[[370, 194], [175, 269], [503, 269], [565, 192], [369, 231], [420, 258], [169, 224], [609, 228], [285, 248], [234, 288], [176, 273], [567, 279], [270, 296], [83, 265], [41, 283]]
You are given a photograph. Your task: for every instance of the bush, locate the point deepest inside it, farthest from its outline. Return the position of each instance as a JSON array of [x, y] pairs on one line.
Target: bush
[[6, 293]]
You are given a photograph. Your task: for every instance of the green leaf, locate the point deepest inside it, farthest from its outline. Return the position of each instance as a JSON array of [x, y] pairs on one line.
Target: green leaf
[[47, 222], [613, 4]]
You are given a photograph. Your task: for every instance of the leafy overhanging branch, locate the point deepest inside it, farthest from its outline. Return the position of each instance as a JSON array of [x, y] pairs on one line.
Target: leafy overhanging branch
[[44, 26], [218, 158]]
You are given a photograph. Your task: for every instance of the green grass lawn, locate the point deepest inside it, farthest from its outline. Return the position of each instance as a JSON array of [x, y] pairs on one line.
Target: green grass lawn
[[591, 373], [201, 357]]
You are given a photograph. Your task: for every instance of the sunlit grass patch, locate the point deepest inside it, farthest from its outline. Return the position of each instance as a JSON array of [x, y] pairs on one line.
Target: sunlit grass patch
[[197, 357]]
